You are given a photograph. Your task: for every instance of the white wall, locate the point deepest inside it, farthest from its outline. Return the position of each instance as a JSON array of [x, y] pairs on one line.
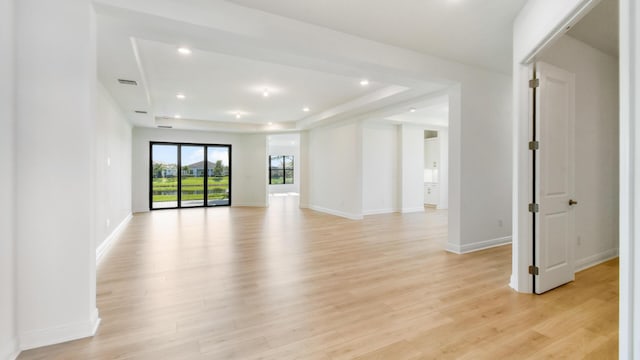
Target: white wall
[[248, 163], [335, 170], [596, 147], [8, 334], [55, 114], [280, 148], [113, 166], [305, 192], [629, 318], [250, 177], [443, 198], [485, 174], [380, 165], [411, 158]]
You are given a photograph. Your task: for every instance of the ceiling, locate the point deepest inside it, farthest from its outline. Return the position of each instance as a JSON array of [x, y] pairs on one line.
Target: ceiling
[[235, 58], [477, 32], [599, 28], [219, 87], [224, 89], [435, 114]]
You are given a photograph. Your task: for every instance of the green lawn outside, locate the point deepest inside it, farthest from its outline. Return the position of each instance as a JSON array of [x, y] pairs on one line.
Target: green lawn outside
[[165, 189]]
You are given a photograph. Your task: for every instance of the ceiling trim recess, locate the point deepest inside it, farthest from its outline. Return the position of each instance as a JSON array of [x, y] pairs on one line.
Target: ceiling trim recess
[[151, 27]]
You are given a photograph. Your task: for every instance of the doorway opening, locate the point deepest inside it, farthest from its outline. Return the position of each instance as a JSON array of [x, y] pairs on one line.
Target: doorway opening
[[575, 163], [406, 157], [284, 163]]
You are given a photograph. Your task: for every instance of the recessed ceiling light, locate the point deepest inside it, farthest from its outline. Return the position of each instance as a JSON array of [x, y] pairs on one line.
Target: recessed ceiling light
[[364, 82], [184, 50], [180, 96], [238, 115], [412, 109], [306, 109], [177, 116], [269, 123], [265, 93]]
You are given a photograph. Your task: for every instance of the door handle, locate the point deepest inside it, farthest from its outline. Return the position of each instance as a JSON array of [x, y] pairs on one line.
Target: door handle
[[572, 202]]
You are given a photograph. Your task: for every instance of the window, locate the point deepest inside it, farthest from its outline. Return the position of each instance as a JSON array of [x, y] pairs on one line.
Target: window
[[189, 175], [281, 169]]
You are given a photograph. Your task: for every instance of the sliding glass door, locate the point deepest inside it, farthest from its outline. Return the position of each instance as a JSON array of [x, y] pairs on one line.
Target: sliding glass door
[[189, 175], [218, 176], [192, 176], [164, 176]]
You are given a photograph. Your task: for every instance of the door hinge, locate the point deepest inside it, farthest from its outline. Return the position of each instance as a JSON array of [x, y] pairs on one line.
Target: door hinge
[[534, 270], [534, 208], [534, 83], [534, 145]]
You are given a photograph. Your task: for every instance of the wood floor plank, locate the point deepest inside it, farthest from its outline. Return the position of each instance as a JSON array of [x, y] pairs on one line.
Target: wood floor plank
[[286, 283]]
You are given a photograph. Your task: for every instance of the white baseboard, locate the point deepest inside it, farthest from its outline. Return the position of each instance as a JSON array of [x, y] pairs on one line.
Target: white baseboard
[[512, 282], [103, 248], [9, 350], [60, 334], [248, 204], [379, 211], [336, 212], [596, 259], [477, 246], [412, 209]]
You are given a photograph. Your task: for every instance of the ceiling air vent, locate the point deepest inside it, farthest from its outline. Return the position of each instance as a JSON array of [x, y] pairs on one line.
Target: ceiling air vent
[[140, 112], [128, 82], [165, 126]]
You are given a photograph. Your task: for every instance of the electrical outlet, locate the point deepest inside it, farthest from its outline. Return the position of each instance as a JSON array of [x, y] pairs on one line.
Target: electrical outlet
[[579, 241], [108, 162], [108, 223], [500, 223]]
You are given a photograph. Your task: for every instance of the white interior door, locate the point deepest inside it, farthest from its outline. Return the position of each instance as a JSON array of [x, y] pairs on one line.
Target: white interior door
[[555, 165]]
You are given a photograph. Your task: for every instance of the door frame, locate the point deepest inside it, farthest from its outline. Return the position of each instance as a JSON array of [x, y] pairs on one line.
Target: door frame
[[523, 177], [179, 165], [566, 15]]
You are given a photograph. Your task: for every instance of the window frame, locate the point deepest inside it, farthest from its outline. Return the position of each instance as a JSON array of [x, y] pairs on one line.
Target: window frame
[[179, 174], [284, 169]]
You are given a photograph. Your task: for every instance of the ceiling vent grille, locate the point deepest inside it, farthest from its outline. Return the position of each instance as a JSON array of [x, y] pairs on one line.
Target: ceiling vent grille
[[128, 82], [140, 112], [165, 126]]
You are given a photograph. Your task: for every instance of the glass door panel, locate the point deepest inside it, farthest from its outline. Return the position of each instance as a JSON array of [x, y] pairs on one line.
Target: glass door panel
[[277, 170], [218, 187], [192, 176], [288, 169], [164, 176]]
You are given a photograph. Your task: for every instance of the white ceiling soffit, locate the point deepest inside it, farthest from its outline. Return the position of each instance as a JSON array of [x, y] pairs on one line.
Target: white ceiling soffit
[[599, 28], [226, 76], [434, 111], [284, 140], [476, 32]]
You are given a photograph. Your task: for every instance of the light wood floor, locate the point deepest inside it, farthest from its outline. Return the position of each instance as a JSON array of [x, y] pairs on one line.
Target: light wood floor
[[284, 283]]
